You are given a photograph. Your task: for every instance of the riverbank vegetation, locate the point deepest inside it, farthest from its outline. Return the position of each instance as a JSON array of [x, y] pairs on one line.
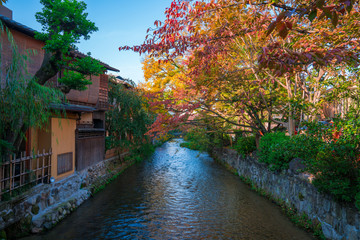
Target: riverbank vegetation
[[280, 77], [335, 165], [196, 139]]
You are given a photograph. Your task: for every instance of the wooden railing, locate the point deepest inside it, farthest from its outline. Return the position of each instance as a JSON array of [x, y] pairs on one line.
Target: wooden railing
[[20, 174]]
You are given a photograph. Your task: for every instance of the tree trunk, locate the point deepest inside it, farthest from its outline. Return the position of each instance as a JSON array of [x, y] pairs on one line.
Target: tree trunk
[[291, 124], [257, 140], [48, 68]]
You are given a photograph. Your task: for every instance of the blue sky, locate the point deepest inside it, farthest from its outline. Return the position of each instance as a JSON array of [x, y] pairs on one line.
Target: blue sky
[[120, 22]]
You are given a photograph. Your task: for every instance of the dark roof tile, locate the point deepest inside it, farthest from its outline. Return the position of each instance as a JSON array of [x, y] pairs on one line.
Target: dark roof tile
[[31, 32], [72, 107], [18, 26]]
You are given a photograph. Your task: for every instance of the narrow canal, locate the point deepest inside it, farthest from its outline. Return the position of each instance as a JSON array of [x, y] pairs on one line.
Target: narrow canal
[[177, 194]]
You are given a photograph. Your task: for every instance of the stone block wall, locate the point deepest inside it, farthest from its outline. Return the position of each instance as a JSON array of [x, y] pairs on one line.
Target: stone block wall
[[338, 221], [45, 205]]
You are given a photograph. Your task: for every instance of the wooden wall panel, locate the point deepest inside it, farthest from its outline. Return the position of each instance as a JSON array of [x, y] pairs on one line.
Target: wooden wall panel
[[89, 150], [64, 163]]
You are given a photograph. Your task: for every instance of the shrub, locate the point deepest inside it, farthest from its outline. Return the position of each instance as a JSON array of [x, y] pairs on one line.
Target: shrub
[[197, 139], [357, 199], [143, 151], [245, 145], [337, 171], [269, 149], [221, 139], [277, 149], [305, 147], [320, 130]]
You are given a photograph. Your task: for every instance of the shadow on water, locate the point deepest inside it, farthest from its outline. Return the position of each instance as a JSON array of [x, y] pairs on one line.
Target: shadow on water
[[176, 194]]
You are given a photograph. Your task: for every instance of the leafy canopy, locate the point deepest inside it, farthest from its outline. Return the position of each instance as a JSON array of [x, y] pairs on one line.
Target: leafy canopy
[[250, 60], [64, 23]]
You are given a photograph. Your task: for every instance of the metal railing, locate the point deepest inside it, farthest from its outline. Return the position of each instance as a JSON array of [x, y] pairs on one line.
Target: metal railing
[[19, 174]]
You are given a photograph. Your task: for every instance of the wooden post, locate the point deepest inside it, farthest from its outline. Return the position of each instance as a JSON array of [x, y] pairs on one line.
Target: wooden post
[[50, 164], [37, 165], [11, 172], [43, 166], [2, 185], [22, 169], [31, 166], [22, 156]]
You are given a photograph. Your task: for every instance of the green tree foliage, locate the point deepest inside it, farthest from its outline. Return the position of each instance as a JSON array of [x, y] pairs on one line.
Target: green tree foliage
[[336, 163], [64, 23], [196, 139], [337, 170], [128, 119], [277, 149]]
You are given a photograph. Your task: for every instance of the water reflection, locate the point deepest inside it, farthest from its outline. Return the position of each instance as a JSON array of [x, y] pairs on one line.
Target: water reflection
[[177, 194]]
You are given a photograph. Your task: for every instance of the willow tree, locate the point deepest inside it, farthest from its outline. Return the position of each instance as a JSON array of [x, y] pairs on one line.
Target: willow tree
[[128, 118], [20, 94]]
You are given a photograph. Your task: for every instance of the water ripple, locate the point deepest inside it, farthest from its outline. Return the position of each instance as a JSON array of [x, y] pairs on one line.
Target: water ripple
[[177, 194]]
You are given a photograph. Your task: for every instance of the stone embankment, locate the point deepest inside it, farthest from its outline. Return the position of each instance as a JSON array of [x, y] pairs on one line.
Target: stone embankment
[[45, 205], [338, 221]]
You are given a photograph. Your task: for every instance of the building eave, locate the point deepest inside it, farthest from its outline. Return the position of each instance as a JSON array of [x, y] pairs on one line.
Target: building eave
[[78, 54], [31, 33], [72, 107], [17, 26]]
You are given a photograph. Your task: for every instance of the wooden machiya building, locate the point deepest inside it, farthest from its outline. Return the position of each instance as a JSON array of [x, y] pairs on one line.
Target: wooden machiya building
[[72, 141]]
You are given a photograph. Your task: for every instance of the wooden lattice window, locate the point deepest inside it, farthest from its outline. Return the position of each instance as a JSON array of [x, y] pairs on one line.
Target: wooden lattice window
[[64, 163]]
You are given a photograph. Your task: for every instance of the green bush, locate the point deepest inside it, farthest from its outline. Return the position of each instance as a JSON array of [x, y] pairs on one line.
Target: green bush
[[143, 151], [337, 171], [357, 199], [304, 147], [245, 145], [196, 139], [335, 164], [269, 149], [277, 149], [218, 139]]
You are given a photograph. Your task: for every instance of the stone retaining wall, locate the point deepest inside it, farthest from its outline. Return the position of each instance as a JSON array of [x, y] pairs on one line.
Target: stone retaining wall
[[337, 221], [45, 205]]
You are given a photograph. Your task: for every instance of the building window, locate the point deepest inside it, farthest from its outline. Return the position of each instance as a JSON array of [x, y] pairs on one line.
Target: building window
[[98, 123], [64, 163]]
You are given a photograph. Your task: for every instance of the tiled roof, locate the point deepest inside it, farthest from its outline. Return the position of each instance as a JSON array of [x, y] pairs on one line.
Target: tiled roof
[[31, 32], [121, 80], [80, 54], [72, 107], [18, 26]]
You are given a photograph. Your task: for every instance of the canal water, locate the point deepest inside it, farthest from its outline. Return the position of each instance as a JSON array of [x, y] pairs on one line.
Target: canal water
[[176, 194]]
